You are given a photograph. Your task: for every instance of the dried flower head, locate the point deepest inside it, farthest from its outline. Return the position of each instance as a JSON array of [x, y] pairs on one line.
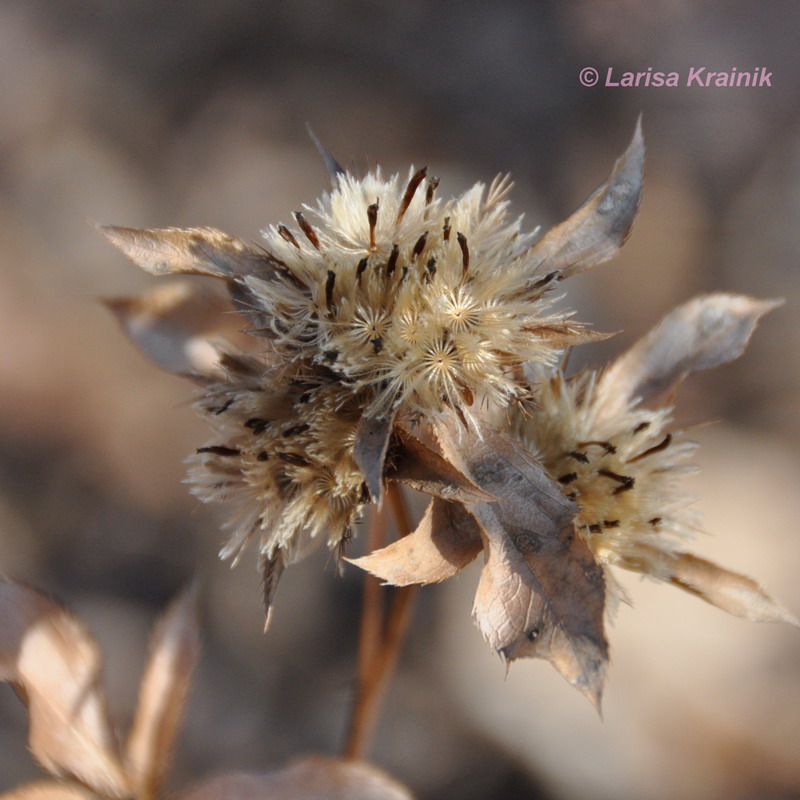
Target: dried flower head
[[617, 458], [382, 302], [587, 479]]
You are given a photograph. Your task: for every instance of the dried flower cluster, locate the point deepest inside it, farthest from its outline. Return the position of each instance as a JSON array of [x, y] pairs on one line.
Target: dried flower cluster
[[383, 330]]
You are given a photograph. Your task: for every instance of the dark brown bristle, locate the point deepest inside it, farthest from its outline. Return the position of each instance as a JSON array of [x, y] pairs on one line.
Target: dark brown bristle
[[446, 229], [372, 216], [287, 235], [430, 193], [662, 445], [642, 426], [263, 456], [294, 458], [362, 265], [377, 344], [578, 456], [462, 243], [310, 233], [295, 429], [329, 284], [420, 245], [543, 281], [411, 190], [257, 424], [431, 267], [568, 478], [626, 481], [221, 409], [392, 262], [219, 450]]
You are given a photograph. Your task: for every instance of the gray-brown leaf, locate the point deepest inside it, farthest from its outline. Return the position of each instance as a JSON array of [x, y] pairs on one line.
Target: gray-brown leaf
[[596, 231], [50, 657], [541, 592], [175, 326], [196, 251], [164, 688], [312, 778], [418, 466], [371, 444], [705, 332], [732, 592], [445, 541]]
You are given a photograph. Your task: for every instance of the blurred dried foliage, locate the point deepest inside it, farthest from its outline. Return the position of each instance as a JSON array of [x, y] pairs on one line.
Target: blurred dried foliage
[[186, 113]]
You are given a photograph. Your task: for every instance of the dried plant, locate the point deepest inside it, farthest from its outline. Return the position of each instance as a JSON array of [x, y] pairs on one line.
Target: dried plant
[[392, 338], [52, 661]]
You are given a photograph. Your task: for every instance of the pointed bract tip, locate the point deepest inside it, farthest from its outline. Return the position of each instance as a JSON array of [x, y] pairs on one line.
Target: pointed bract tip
[[335, 169]]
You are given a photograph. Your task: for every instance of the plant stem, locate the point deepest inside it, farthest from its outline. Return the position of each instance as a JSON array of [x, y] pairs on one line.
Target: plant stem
[[379, 650]]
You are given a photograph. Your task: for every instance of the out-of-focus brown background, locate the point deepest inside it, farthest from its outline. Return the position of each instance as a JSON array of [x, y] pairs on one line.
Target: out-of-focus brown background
[[185, 113]]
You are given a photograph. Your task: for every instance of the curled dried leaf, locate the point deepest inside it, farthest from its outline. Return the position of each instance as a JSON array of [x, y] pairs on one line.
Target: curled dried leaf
[[596, 231], [541, 593], [732, 592], [445, 541], [164, 688], [417, 465], [312, 778], [196, 251], [705, 332], [53, 661], [175, 326]]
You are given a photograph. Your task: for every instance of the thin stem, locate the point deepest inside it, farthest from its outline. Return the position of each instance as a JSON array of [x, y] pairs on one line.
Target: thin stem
[[372, 601], [376, 668]]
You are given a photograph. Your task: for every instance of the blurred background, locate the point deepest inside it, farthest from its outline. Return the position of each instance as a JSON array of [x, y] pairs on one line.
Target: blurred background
[[186, 113]]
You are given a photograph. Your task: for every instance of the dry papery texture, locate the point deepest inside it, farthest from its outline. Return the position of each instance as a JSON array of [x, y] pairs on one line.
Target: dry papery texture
[[54, 664], [382, 305], [394, 336]]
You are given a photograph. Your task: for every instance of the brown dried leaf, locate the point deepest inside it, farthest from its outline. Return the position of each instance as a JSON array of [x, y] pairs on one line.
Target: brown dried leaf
[[48, 790], [705, 332], [52, 660], [732, 592], [417, 465], [312, 778], [372, 442], [541, 592], [175, 325], [445, 541], [196, 251], [162, 694], [596, 231]]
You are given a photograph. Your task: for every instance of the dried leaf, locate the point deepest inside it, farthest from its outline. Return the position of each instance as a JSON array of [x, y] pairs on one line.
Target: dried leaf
[[445, 541], [48, 790], [372, 442], [737, 594], [52, 660], [541, 592], [162, 695], [705, 332], [196, 251], [175, 325], [414, 463], [312, 778], [596, 231]]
